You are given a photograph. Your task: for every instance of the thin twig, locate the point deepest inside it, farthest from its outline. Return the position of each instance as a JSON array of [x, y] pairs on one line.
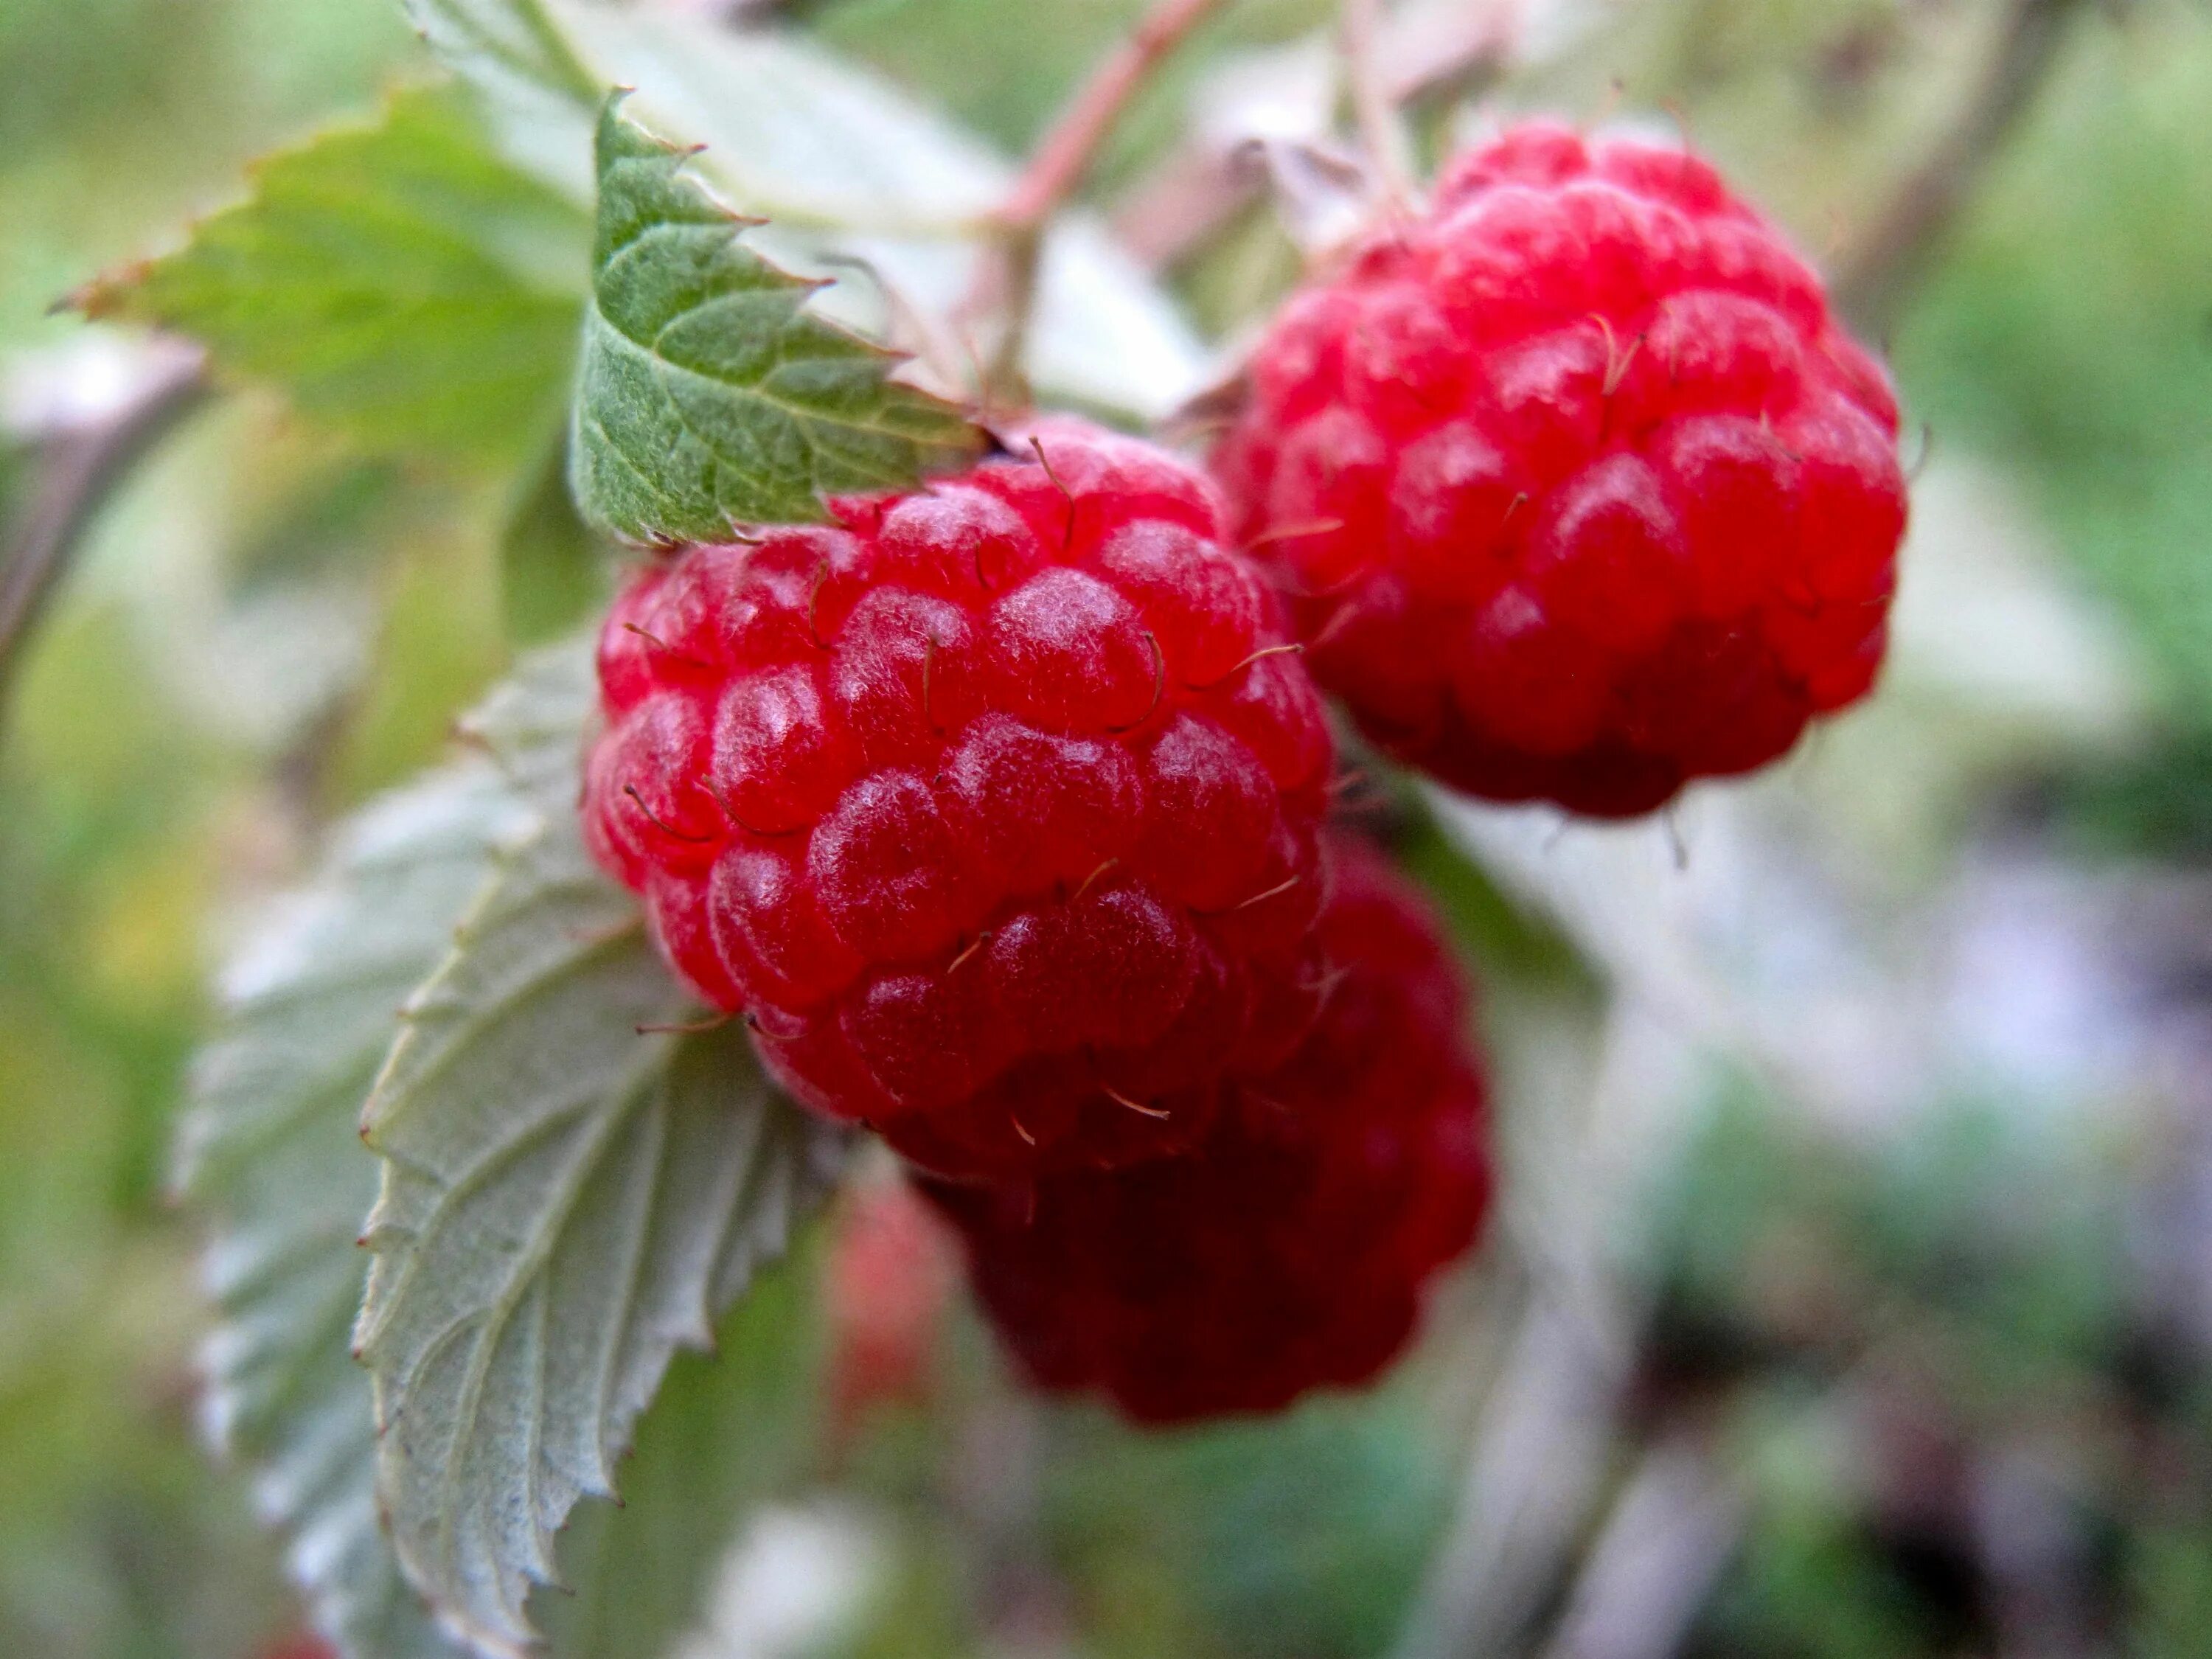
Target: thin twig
[[1064, 156], [1428, 53], [1061, 163], [1668, 1536], [1905, 237], [1374, 109], [75, 469]]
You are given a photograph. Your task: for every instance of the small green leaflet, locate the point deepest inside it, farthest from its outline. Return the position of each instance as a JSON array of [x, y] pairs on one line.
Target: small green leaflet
[[852, 167], [709, 395], [567, 1199], [400, 281], [849, 166]]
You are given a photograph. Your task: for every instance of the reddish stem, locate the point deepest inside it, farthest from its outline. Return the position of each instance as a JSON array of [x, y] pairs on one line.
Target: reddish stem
[[1054, 173], [1374, 110], [1060, 162]]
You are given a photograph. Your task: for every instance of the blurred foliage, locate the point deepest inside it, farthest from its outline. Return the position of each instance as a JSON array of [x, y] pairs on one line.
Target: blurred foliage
[[270, 624], [2070, 331], [1913, 1352], [1301, 1538], [2156, 802], [125, 117]]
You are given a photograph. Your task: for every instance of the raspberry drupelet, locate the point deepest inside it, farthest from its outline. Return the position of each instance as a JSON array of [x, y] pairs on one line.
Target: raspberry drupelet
[[993, 805], [1579, 490], [1291, 1251]]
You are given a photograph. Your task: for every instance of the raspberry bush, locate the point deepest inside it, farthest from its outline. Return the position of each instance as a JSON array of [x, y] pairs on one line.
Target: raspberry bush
[[1579, 490], [993, 806], [1289, 1252], [968, 761]]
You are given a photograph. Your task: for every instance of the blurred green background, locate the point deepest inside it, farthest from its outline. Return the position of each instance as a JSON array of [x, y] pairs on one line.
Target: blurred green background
[[1945, 1361]]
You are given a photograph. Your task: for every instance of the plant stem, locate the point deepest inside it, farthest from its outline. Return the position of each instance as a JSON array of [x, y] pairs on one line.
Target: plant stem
[[1068, 149], [69, 482], [1062, 160], [1880, 274], [1374, 108]]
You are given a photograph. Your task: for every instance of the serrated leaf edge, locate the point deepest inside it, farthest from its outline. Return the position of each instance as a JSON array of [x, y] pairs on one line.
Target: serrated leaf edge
[[672, 160]]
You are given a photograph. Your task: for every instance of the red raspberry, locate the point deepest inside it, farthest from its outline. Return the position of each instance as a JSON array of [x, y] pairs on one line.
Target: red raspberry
[[994, 805], [890, 1271], [1579, 490], [1291, 1251]]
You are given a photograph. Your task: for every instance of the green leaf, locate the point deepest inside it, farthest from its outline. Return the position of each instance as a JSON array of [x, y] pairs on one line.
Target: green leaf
[[566, 1200], [709, 396], [849, 166], [727, 1430], [538, 98], [533, 724], [270, 1148], [815, 138], [400, 281]]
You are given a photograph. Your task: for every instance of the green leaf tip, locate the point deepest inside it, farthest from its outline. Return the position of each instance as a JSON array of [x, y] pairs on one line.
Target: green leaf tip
[[399, 280], [709, 395]]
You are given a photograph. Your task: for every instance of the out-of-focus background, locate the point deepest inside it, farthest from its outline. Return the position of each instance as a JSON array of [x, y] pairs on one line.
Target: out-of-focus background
[[1852, 1295]]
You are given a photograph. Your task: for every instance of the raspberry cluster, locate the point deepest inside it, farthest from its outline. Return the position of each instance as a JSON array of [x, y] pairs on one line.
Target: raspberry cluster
[[997, 805], [994, 806], [1291, 1252], [1578, 487]]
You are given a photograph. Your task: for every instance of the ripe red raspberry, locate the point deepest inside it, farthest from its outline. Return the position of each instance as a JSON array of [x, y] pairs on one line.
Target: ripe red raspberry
[[891, 1271], [1291, 1251], [994, 805], [1578, 487]]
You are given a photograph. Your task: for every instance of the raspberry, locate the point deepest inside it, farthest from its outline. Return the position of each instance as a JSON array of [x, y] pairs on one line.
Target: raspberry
[[890, 1273], [1290, 1252], [994, 805], [1578, 487]]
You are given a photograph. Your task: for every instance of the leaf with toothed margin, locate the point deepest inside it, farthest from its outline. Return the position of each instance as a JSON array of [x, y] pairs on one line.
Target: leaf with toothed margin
[[402, 282], [853, 169], [269, 1150], [709, 394], [571, 1191]]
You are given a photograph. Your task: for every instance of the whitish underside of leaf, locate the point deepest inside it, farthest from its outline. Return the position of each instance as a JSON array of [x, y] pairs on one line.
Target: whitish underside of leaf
[[516, 44], [709, 395], [399, 281], [727, 1430], [268, 1148], [535, 723], [567, 1200], [686, 1177]]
